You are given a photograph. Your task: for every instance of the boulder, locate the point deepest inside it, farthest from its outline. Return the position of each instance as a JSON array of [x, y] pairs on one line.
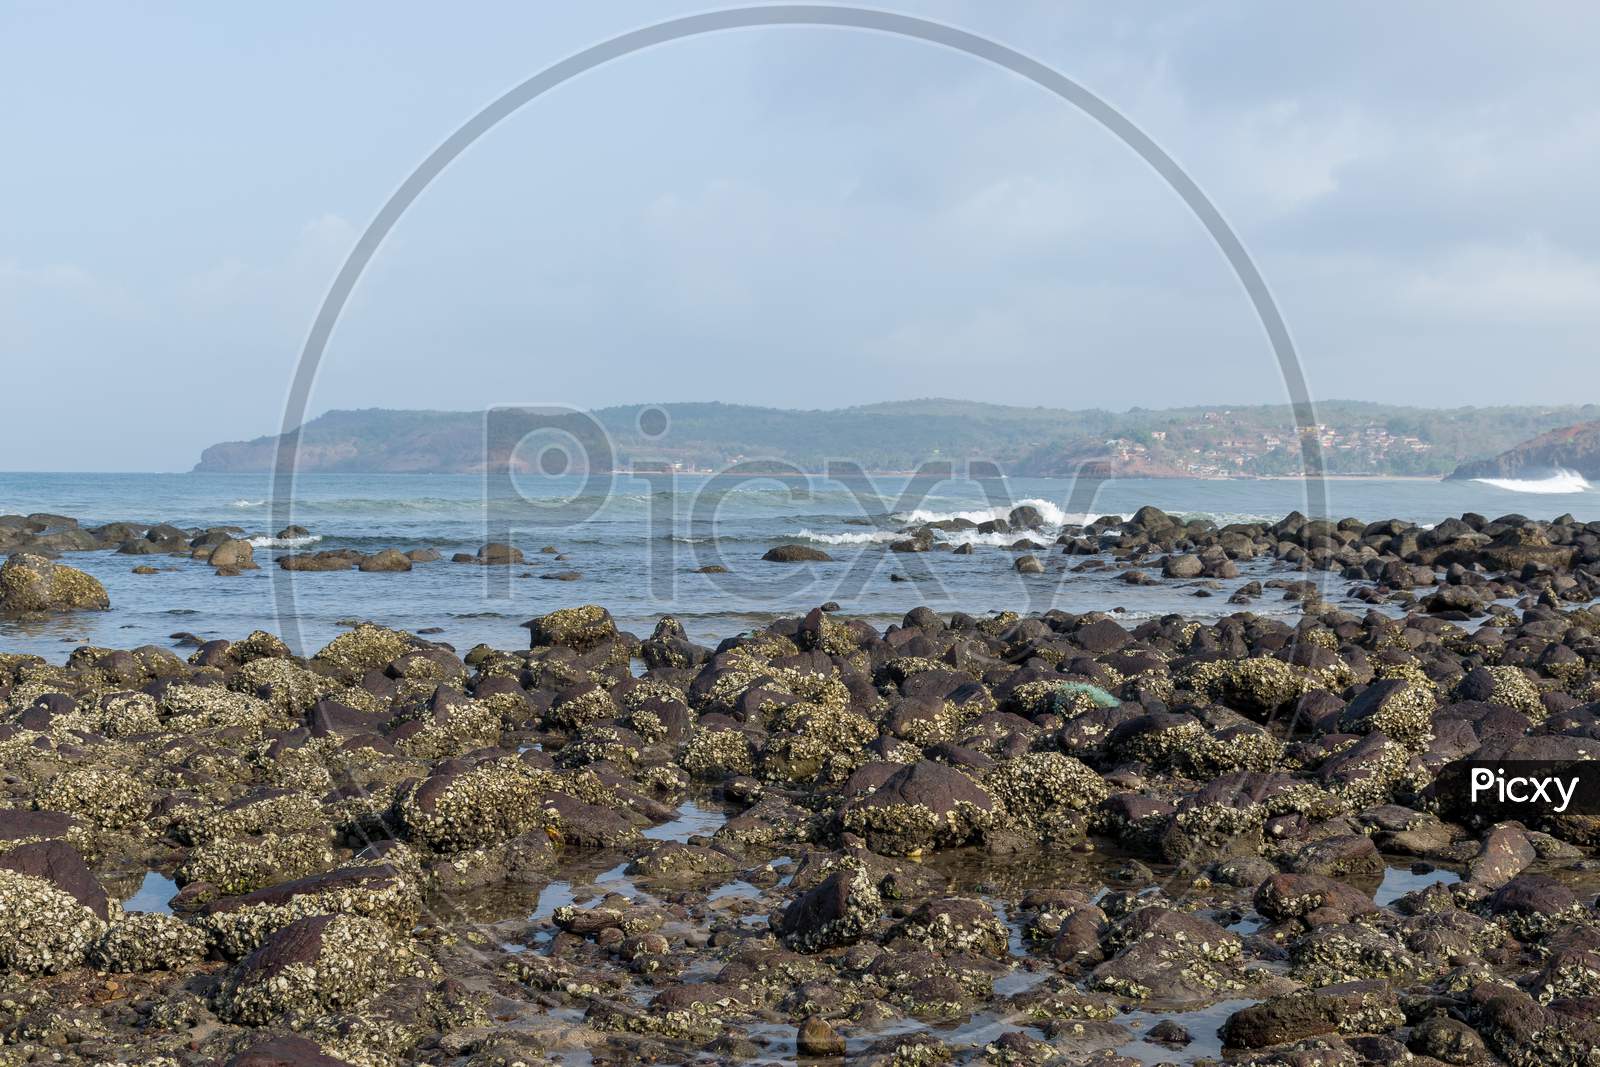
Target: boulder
[[1187, 566], [925, 805], [233, 553], [30, 584], [498, 554], [838, 911], [313, 965], [386, 560], [796, 554], [580, 628]]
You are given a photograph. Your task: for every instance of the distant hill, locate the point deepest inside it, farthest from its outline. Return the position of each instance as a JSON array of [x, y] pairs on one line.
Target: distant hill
[[1354, 437], [1571, 448]]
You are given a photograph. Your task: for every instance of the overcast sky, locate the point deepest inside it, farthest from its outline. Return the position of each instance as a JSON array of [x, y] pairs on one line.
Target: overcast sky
[[796, 217]]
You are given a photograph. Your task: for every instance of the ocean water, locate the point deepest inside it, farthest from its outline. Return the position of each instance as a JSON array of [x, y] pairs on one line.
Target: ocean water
[[639, 543]]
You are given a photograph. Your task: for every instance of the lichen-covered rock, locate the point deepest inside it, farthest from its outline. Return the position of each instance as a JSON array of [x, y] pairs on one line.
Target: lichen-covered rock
[[31, 584], [311, 966], [148, 941]]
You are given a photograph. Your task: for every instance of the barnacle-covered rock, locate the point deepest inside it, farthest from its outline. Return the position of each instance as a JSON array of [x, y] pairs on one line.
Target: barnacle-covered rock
[[838, 911], [311, 966], [927, 805], [463, 807], [43, 928], [1038, 788], [240, 864], [365, 648], [31, 584], [149, 941]]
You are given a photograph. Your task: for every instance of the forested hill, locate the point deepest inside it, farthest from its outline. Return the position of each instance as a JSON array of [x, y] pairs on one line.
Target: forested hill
[[1352, 437], [1570, 448]]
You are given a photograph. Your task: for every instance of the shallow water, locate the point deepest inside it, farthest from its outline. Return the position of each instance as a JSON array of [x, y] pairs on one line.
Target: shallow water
[[1202, 1025], [638, 551], [694, 820], [1398, 881], [155, 893]]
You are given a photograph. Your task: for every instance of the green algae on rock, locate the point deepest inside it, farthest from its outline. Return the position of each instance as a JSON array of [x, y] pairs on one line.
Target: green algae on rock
[[33, 584]]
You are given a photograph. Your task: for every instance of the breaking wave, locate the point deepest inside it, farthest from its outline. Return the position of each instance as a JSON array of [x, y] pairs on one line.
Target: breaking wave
[[1559, 481], [855, 538], [1050, 512], [264, 541]]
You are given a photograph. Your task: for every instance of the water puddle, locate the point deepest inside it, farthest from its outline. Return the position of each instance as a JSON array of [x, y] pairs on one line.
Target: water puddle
[[1019, 980], [1202, 1025], [155, 893], [740, 888], [694, 819], [1398, 881]]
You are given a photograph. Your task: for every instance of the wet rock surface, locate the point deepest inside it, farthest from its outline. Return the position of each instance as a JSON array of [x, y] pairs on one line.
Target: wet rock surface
[[1069, 839]]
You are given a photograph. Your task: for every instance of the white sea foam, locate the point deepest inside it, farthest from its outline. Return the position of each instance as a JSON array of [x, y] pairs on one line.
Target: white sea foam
[[1049, 511], [1559, 481], [863, 537], [285, 542], [242, 503]]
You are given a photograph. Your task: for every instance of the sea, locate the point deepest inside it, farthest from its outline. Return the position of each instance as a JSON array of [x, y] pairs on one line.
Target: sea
[[651, 545]]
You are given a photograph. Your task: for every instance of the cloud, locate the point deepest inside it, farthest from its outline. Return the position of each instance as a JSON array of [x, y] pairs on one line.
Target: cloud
[[1533, 282]]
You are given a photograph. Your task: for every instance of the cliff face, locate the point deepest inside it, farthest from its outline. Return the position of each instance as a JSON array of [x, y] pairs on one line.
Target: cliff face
[[1573, 448]]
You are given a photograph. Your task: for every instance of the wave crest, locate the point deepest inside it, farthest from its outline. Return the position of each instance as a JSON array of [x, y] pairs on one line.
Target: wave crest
[[1048, 510], [855, 538], [263, 541], [1558, 481]]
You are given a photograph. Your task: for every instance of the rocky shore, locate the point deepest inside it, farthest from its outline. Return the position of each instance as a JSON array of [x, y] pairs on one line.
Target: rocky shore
[[1058, 838], [1460, 569]]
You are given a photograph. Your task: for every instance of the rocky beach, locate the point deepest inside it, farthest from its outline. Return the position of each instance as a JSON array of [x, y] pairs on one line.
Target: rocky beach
[[1070, 837]]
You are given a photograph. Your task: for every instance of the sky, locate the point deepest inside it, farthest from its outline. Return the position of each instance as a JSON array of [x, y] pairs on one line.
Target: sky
[[798, 217]]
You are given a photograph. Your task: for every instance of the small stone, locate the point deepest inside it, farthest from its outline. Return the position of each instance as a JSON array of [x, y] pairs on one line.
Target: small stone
[[817, 1038]]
